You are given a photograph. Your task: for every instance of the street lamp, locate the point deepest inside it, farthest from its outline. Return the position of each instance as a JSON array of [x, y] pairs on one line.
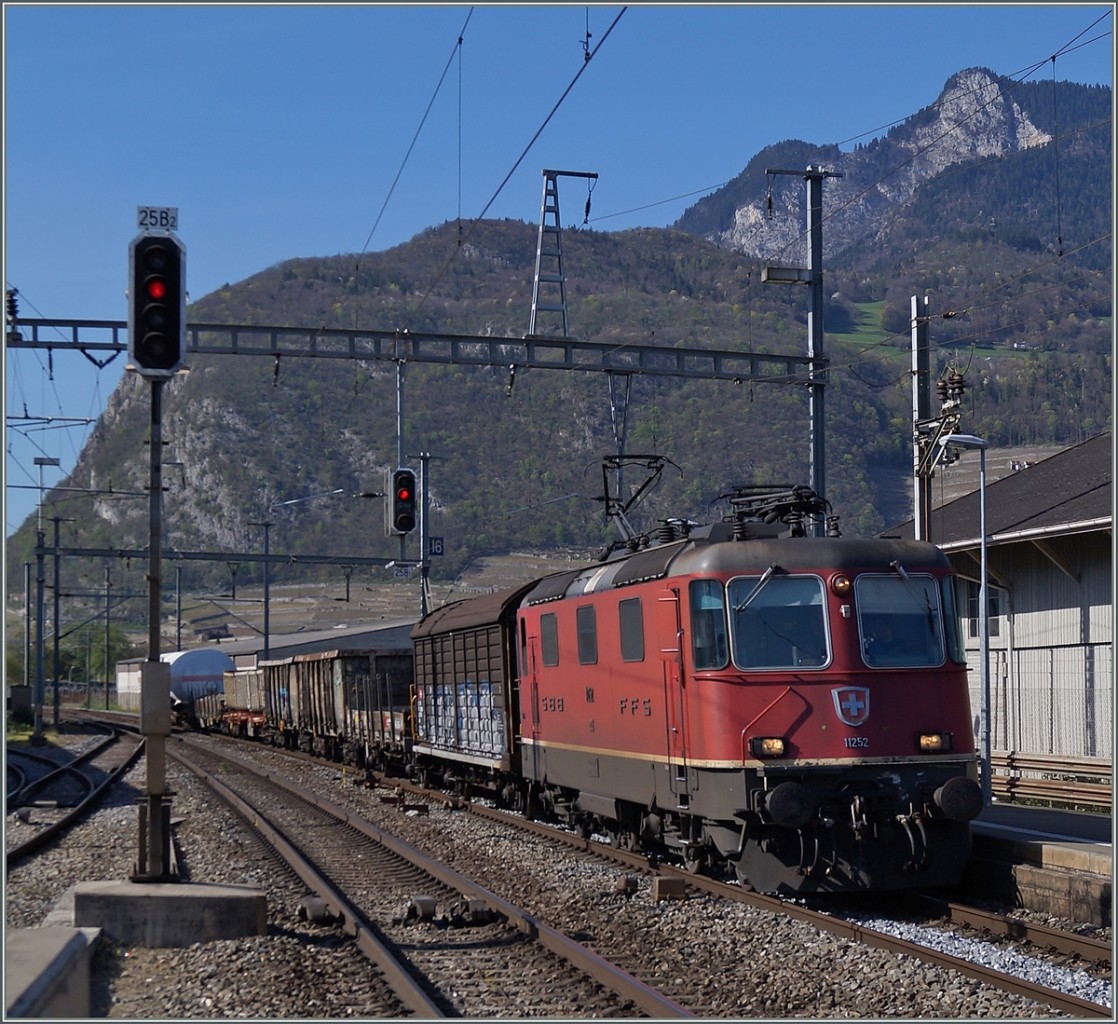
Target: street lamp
[[968, 442], [267, 562], [37, 736], [41, 461], [267, 525]]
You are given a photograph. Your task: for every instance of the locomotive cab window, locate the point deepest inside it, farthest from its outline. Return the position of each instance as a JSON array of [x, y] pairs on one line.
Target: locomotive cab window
[[899, 620], [586, 623], [709, 645], [708, 624], [631, 623], [778, 622], [955, 646]]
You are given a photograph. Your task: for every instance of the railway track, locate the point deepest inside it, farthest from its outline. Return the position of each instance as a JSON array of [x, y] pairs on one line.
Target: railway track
[[61, 794], [851, 929], [1017, 931], [482, 956], [1089, 949], [1008, 926]]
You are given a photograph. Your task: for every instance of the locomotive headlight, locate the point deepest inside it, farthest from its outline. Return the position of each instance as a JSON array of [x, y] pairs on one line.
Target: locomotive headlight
[[934, 742], [840, 584], [767, 746]]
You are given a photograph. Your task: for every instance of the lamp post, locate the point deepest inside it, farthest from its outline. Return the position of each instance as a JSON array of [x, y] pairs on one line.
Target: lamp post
[[969, 442], [267, 562], [37, 736], [267, 525]]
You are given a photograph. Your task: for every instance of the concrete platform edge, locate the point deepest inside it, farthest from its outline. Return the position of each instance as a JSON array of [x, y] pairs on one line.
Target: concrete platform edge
[[157, 914], [47, 972]]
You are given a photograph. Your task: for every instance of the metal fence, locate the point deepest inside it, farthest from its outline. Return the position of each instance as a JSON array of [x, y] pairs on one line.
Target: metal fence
[[1048, 700]]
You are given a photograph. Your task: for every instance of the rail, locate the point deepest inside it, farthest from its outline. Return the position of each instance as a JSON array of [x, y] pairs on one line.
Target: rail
[[1063, 781]]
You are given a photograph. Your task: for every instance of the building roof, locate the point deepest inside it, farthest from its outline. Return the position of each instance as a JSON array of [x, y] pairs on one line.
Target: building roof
[[381, 636], [1067, 493]]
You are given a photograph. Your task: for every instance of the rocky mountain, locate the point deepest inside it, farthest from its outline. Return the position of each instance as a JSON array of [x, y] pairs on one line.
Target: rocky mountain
[[975, 118], [996, 199]]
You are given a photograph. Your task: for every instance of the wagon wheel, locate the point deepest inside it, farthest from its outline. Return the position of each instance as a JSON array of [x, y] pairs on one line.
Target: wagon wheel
[[743, 878], [622, 839], [531, 807], [696, 859]]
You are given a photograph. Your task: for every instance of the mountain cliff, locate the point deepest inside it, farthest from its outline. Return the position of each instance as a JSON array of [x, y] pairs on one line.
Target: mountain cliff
[[974, 118]]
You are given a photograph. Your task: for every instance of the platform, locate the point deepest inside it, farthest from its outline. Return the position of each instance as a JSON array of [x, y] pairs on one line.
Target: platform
[[47, 972], [47, 969], [1052, 861], [159, 914]]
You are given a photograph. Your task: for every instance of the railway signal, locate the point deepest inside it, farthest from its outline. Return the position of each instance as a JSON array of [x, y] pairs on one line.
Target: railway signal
[[157, 304], [403, 501]]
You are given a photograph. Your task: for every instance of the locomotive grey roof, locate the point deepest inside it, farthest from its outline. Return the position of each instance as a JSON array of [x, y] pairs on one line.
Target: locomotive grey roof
[[648, 565], [1069, 492], [552, 587], [807, 553]]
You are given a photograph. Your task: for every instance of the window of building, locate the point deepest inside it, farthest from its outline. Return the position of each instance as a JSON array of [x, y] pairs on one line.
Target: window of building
[[993, 604]]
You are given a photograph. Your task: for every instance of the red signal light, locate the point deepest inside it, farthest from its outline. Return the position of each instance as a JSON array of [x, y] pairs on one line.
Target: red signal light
[[404, 511], [157, 304]]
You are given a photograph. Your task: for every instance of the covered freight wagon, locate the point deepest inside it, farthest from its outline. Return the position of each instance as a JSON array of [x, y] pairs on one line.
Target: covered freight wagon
[[466, 700]]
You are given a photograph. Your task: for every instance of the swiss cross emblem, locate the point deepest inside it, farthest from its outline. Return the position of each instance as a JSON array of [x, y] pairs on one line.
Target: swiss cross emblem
[[852, 704]]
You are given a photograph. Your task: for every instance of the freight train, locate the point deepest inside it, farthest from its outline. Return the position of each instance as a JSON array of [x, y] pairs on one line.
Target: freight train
[[743, 695]]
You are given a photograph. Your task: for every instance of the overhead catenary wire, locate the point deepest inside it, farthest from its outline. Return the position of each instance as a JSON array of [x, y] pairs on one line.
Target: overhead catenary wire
[[1056, 154], [456, 51], [1024, 73], [1066, 49], [519, 160]]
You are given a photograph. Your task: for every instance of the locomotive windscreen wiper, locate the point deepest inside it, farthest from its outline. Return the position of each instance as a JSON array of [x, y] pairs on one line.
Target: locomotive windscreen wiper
[[926, 607], [765, 577]]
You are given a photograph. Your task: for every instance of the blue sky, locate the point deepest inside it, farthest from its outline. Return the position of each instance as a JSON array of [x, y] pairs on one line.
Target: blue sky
[[278, 131]]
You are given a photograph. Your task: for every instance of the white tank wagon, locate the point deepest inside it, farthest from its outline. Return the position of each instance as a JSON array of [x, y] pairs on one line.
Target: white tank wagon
[[194, 674], [197, 673]]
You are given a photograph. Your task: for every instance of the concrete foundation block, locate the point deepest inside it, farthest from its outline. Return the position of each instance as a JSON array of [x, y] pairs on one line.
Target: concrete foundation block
[[156, 914], [668, 889]]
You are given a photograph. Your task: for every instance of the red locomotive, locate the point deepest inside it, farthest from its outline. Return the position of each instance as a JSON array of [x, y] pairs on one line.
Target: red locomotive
[[744, 692]]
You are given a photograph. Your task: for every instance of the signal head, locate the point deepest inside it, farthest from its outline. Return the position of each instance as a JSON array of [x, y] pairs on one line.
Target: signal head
[[157, 305], [404, 506]]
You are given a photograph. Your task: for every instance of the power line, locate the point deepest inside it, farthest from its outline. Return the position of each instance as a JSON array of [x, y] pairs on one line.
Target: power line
[[531, 142]]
